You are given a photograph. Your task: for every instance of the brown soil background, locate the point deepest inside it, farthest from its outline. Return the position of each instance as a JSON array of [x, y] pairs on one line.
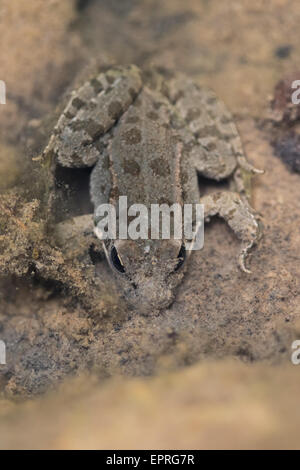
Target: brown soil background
[[213, 370]]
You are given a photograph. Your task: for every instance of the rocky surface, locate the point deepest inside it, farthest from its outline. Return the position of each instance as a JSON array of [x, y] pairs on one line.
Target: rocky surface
[[54, 330], [221, 405]]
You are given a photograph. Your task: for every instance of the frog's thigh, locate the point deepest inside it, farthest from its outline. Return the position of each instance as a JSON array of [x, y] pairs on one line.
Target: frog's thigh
[[239, 217], [91, 112], [217, 145]]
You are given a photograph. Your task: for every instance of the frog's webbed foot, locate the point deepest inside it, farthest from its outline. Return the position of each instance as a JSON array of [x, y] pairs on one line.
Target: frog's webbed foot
[[240, 218]]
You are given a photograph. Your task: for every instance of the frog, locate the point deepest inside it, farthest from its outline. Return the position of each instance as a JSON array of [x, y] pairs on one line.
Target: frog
[[148, 135]]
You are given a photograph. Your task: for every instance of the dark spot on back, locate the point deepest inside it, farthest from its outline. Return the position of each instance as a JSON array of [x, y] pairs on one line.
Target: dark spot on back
[[153, 116], [133, 136], [131, 167], [160, 167]]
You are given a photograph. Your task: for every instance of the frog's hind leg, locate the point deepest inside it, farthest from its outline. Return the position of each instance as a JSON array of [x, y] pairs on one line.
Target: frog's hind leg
[[90, 113], [216, 148], [239, 216]]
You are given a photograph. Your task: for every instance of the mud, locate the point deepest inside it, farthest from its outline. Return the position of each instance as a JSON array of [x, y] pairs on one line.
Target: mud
[[226, 340]]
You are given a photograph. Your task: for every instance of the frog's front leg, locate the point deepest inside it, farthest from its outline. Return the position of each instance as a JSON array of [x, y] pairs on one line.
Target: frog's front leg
[[90, 113], [239, 216]]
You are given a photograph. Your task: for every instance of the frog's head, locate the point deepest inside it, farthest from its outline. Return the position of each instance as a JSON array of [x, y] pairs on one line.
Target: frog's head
[[147, 271]]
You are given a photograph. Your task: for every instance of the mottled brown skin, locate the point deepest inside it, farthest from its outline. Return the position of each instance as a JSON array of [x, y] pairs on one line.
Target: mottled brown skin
[[147, 139]]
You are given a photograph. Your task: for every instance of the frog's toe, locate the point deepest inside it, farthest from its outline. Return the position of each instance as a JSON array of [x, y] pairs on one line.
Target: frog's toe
[[244, 254], [243, 163], [246, 249], [240, 218]]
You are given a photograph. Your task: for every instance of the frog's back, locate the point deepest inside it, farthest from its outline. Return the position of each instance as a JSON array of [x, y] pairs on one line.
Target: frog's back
[[145, 156]]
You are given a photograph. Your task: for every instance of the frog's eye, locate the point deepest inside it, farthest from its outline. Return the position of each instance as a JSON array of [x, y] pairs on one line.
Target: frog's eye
[[181, 257], [116, 260]]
